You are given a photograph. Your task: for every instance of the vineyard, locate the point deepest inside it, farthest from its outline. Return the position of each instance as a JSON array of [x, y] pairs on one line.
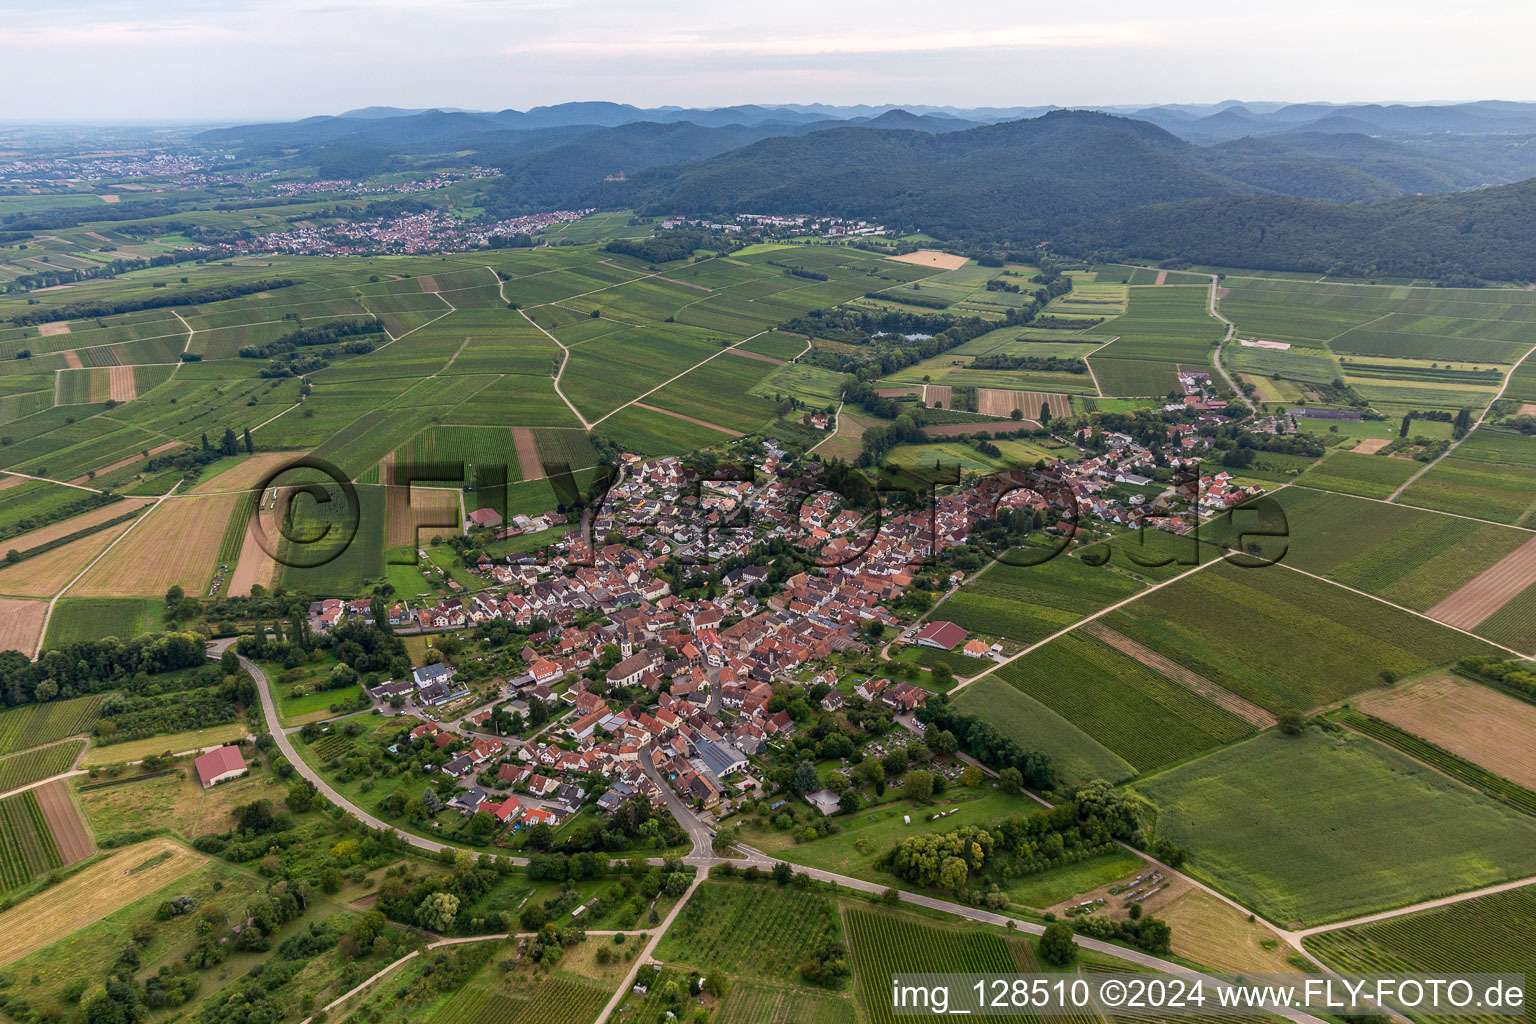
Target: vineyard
[[332, 748], [884, 944], [1441, 760], [555, 1001], [1134, 711], [752, 1002], [476, 1005], [1495, 933], [27, 848], [749, 930], [32, 724], [38, 763]]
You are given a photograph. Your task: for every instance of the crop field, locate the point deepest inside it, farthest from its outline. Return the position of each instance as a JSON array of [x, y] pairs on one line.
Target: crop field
[[1473, 722], [719, 392], [27, 848], [1370, 476], [648, 432], [1141, 715], [88, 618], [1405, 555], [1281, 639], [1078, 757], [1029, 602], [32, 724], [360, 561], [1513, 625], [1483, 490], [750, 1002], [21, 623], [38, 763], [883, 944], [1319, 827], [1494, 933], [175, 544], [749, 930], [1489, 444], [813, 385]]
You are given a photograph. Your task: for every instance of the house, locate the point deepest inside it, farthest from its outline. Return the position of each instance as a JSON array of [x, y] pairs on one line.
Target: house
[[436, 672], [220, 765], [388, 689], [460, 766], [824, 800], [569, 797], [945, 636], [629, 671], [721, 758], [975, 649], [468, 801], [507, 811], [487, 518], [541, 816], [832, 701]]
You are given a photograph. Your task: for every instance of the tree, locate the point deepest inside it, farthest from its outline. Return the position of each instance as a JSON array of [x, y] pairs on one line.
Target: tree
[[1407, 421], [782, 873], [725, 838], [250, 446], [438, 911], [174, 595], [971, 777], [46, 691], [1016, 415], [1011, 779], [919, 785], [1045, 414], [1292, 722], [943, 742], [805, 779], [1056, 945], [229, 446]]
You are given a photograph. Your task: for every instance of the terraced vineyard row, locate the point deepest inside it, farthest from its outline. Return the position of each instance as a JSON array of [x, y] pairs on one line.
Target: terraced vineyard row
[[38, 763], [884, 944], [27, 848], [33, 724], [749, 930], [479, 1006], [756, 1003], [1440, 759]]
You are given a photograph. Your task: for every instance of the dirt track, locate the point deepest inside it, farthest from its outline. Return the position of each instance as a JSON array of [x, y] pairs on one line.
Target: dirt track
[[252, 566], [1193, 681], [692, 419], [1489, 590], [64, 822], [528, 462]]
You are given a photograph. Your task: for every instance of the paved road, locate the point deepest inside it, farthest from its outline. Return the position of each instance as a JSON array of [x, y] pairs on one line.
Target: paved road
[[699, 834], [1216, 352]]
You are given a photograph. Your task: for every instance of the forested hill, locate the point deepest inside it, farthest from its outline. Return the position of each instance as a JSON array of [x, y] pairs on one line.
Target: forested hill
[[1488, 233], [1018, 180]]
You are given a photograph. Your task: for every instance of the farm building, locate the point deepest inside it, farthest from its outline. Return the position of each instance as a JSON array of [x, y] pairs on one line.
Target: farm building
[[220, 765], [943, 635]]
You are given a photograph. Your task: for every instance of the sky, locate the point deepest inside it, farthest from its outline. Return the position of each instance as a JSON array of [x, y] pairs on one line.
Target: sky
[[243, 60]]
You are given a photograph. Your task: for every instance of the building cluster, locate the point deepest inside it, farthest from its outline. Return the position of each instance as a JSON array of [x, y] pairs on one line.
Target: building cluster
[[438, 180], [428, 231]]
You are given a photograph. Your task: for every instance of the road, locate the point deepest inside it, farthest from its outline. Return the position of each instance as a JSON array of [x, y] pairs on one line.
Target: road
[[699, 834], [1216, 352]]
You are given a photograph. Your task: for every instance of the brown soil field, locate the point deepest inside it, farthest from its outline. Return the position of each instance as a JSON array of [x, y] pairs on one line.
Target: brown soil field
[[692, 419], [1370, 445], [1489, 590], [21, 624], [109, 198], [996, 402], [1162, 277], [53, 329], [1528, 409], [529, 465], [1173, 671], [53, 531], [253, 566], [120, 463], [939, 396], [428, 283], [72, 360], [174, 544], [758, 356], [123, 387], [69, 832], [419, 507], [46, 575], [1472, 721], [990, 426], [931, 258], [93, 894], [915, 389], [8, 481], [245, 475]]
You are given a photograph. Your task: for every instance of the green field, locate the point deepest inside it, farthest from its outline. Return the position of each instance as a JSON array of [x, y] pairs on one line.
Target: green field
[[1474, 487], [31, 724], [1370, 476], [1029, 602], [38, 763], [753, 930], [1077, 756], [27, 848], [1320, 827], [89, 618], [1282, 639]]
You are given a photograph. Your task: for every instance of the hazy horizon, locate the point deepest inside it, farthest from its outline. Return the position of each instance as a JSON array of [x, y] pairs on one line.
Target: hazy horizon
[[112, 61]]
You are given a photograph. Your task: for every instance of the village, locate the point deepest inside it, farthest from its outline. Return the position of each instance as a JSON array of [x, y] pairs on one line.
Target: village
[[698, 675]]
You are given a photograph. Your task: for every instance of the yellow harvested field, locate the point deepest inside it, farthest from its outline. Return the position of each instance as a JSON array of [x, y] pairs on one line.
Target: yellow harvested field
[[1218, 936], [1471, 721], [21, 624], [122, 386], [98, 891], [72, 360], [932, 258], [48, 573], [176, 544], [254, 565], [54, 531], [176, 743], [1000, 403], [52, 330], [245, 475], [1370, 445], [421, 507]]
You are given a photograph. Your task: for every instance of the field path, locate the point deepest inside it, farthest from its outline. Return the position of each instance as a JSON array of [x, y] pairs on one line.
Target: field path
[[1457, 443], [188, 346], [1216, 352], [565, 353], [1193, 681], [690, 419], [1387, 915], [650, 949], [1488, 591]]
